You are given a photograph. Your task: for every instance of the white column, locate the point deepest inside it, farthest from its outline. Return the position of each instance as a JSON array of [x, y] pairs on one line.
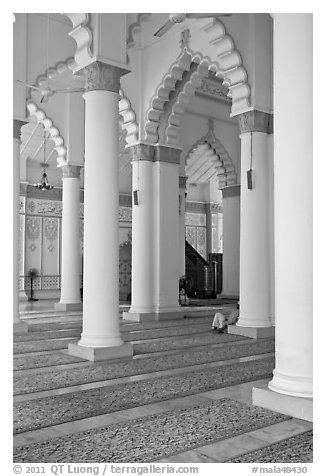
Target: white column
[[155, 234], [166, 232], [293, 206], [255, 298], [231, 240], [101, 337], [182, 224], [70, 255], [19, 326], [291, 389], [142, 280]]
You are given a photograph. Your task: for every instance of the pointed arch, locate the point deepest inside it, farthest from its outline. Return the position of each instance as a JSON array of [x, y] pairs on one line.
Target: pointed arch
[[219, 165], [227, 65]]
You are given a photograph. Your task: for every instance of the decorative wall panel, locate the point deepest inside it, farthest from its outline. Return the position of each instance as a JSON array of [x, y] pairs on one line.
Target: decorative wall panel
[[40, 241], [50, 247], [33, 249]]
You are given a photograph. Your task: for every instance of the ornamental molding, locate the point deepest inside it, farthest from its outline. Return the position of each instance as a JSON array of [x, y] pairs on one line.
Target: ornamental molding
[[255, 121], [214, 89], [71, 171], [231, 191], [227, 65], [42, 207], [103, 77], [17, 125], [52, 131]]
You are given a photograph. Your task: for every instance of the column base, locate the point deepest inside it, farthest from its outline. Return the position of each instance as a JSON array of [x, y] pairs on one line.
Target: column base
[[227, 295], [297, 407], [22, 296], [96, 354], [154, 316], [20, 328], [253, 332], [178, 313], [62, 306]]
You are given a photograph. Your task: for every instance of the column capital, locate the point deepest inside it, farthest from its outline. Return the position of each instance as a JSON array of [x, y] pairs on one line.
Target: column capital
[[231, 191], [155, 153], [255, 121], [17, 125], [103, 77], [70, 171]]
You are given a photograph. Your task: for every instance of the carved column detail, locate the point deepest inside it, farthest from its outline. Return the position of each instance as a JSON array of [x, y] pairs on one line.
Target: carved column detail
[[155, 153], [70, 171], [102, 76], [255, 121]]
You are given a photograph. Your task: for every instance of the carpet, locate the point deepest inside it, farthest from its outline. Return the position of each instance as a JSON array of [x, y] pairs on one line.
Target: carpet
[[52, 410], [125, 325], [44, 360], [127, 334], [153, 437], [141, 348], [297, 449], [59, 378]]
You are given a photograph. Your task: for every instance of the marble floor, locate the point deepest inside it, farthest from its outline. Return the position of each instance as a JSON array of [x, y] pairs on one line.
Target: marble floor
[[217, 452]]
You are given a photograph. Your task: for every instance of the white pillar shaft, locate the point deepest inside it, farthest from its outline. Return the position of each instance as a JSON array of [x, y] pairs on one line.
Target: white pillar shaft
[[101, 222], [166, 236], [142, 292], [293, 205], [70, 257], [231, 243], [182, 232], [254, 235], [16, 178]]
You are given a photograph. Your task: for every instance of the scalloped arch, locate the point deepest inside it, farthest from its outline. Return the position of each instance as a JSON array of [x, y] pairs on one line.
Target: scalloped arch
[[228, 66], [53, 131], [128, 119], [225, 173], [136, 27], [51, 72]]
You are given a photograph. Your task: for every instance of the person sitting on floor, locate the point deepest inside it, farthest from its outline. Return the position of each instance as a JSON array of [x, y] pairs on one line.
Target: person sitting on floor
[[219, 323], [234, 316]]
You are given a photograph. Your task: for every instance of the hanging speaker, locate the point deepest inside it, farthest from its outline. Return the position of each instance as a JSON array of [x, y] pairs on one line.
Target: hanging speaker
[[249, 179]]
